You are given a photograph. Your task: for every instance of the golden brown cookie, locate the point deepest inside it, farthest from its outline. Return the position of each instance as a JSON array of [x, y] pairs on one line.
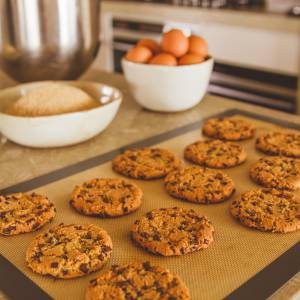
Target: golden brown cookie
[[106, 197], [277, 172], [268, 210], [20, 213], [172, 231], [146, 163], [279, 143], [215, 153], [197, 184], [139, 281], [231, 129], [68, 251]]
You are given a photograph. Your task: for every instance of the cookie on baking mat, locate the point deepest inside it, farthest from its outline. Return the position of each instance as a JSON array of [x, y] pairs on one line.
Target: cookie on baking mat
[[172, 231], [21, 212], [215, 153], [279, 143], [231, 129], [68, 251], [145, 163], [106, 197], [137, 281], [268, 210], [200, 185], [277, 172]]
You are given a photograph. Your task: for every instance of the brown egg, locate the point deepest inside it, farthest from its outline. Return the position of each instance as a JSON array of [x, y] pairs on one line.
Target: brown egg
[[139, 54], [190, 59], [175, 42], [151, 44], [164, 59], [198, 45]]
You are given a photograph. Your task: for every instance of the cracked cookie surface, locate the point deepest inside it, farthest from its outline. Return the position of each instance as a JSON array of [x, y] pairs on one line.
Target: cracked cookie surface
[[268, 210], [215, 153], [172, 231], [231, 129], [277, 172], [68, 251], [21, 213], [145, 163], [137, 281], [279, 143], [200, 185], [106, 197]]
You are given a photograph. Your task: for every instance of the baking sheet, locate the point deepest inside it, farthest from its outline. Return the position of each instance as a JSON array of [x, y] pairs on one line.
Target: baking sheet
[[237, 254]]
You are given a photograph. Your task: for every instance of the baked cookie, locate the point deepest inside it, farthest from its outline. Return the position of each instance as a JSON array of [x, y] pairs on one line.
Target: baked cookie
[[279, 143], [145, 163], [215, 154], [197, 184], [68, 251], [172, 231], [231, 129], [137, 281], [277, 172], [20, 213], [106, 197], [268, 210]]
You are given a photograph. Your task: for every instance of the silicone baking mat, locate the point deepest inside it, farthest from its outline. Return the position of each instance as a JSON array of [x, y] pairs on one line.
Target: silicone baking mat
[[240, 263]]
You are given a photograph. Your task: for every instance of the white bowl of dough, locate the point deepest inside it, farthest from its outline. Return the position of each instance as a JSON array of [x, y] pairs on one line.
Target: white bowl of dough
[[65, 120], [168, 88]]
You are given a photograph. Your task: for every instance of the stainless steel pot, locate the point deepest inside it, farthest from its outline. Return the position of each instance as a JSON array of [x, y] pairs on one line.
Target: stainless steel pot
[[48, 39]]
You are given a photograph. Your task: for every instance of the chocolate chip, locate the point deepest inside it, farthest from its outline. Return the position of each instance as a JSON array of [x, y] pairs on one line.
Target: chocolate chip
[[54, 265], [149, 215], [84, 268], [105, 248], [145, 235], [93, 282], [9, 229], [88, 236], [156, 237], [147, 266], [36, 225]]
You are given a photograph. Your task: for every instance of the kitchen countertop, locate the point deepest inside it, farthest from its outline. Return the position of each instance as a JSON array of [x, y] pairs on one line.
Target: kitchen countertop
[[131, 124]]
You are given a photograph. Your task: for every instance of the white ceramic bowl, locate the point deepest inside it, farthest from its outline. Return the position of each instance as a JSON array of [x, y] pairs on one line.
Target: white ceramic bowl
[[166, 88], [59, 130]]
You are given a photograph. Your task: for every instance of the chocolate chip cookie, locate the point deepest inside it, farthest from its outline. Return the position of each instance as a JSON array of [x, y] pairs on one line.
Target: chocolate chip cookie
[[215, 153], [279, 143], [231, 129], [277, 172], [106, 197], [172, 231], [268, 210], [201, 185], [137, 281], [146, 163], [68, 251], [20, 213]]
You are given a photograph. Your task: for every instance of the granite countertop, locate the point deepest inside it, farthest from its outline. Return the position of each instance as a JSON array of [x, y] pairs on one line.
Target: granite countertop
[[131, 124]]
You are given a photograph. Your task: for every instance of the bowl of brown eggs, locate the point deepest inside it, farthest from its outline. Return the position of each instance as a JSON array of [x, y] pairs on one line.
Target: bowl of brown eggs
[[169, 76]]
